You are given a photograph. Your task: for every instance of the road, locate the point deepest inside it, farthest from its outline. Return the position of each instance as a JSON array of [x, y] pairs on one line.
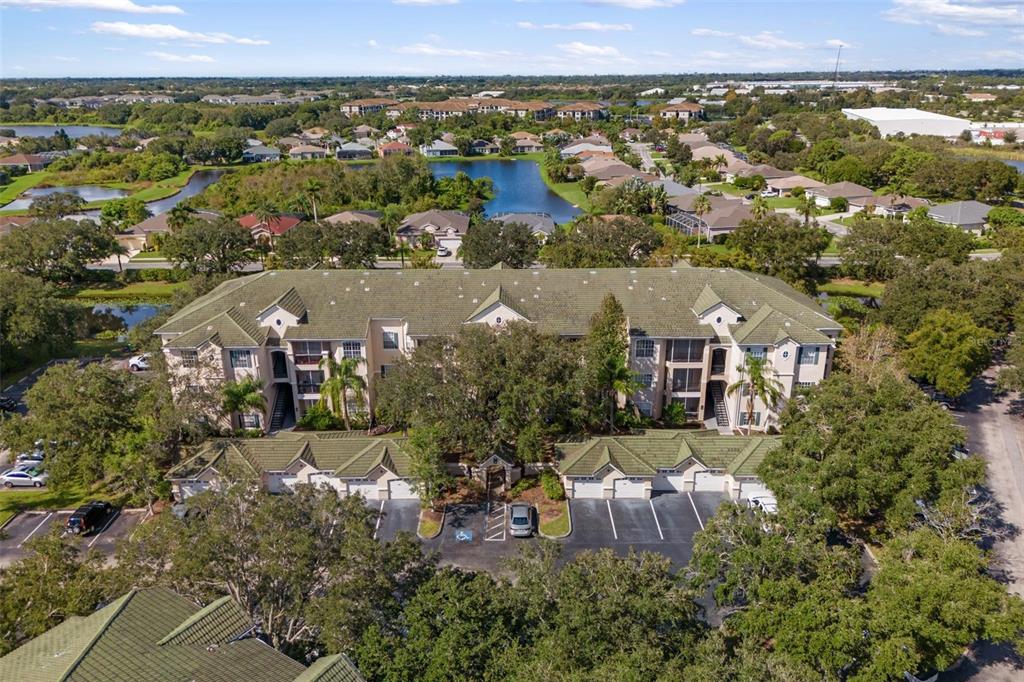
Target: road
[[995, 431], [643, 150]]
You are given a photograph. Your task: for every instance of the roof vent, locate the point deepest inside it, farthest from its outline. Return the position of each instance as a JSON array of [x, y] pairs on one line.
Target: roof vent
[[630, 287], [332, 302], [787, 323], [325, 273], [366, 289], [673, 271], [348, 288], [209, 327], [416, 283], [534, 273], [362, 281], [593, 272], [663, 298], [586, 282], [272, 273], [476, 300], [515, 282], [536, 295], [242, 304], [460, 295], [367, 274], [632, 272]]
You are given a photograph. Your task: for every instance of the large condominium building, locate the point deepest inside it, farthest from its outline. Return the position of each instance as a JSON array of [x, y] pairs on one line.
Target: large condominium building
[[459, 106], [689, 329], [361, 107]]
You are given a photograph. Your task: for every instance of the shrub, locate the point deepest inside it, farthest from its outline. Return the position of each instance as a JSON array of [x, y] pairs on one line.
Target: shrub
[[551, 485], [522, 485], [839, 204], [318, 418], [674, 414]]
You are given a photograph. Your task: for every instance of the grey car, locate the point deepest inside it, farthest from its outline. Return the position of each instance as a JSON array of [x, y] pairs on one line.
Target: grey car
[[521, 520]]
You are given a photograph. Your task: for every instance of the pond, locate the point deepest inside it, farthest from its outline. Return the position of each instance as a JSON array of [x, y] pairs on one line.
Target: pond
[[125, 316], [87, 192], [1019, 165], [517, 184], [199, 181], [74, 132]]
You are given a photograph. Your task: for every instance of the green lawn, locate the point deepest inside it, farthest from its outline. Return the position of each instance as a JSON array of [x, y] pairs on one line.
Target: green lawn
[[852, 287], [136, 290], [47, 499], [11, 191], [557, 526], [430, 523], [833, 248], [570, 191]]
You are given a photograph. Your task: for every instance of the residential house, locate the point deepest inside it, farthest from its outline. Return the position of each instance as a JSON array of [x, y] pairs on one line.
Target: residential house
[[673, 188], [364, 130], [823, 196], [582, 146], [289, 141], [156, 635], [353, 150], [362, 107], [484, 147], [970, 216], [438, 148], [542, 225], [641, 466], [140, 236], [371, 218], [693, 138], [260, 153], [724, 217], [684, 111], [265, 230], [616, 170], [9, 222], [765, 171], [690, 328], [527, 146], [521, 135], [787, 183], [887, 205], [447, 228], [395, 149], [307, 151], [630, 134], [582, 111], [30, 162]]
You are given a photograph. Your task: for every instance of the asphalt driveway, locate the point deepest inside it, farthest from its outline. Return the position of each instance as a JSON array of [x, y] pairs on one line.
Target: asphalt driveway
[[396, 516], [29, 525]]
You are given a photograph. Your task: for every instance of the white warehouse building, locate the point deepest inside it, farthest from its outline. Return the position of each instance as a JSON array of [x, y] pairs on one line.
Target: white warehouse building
[[909, 121]]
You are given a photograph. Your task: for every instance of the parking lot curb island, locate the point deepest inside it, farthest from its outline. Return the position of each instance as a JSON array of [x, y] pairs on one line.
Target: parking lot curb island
[[8, 521], [568, 513], [440, 527]]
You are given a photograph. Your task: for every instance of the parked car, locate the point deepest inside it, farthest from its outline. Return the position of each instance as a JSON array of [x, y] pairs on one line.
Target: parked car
[[8, 404], [768, 193], [765, 502], [24, 476], [35, 457], [88, 517], [521, 519], [961, 452], [444, 251], [139, 363]]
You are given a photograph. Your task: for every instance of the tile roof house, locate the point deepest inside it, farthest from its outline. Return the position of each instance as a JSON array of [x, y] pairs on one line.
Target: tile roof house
[[967, 215], [439, 148], [307, 151], [683, 111], [484, 147], [9, 222], [156, 635], [888, 205], [368, 217], [688, 326], [446, 227], [788, 183], [139, 237], [361, 107], [823, 196], [395, 148], [259, 153], [353, 150], [724, 217], [581, 146], [268, 229], [582, 111], [30, 162], [527, 146], [541, 224]]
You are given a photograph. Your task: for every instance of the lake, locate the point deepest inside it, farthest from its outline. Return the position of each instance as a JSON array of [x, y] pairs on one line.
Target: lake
[[517, 184], [1019, 165], [128, 314], [74, 132], [87, 192], [199, 181]]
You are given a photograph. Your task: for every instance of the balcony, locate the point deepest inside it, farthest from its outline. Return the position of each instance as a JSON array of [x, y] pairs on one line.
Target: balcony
[[308, 388]]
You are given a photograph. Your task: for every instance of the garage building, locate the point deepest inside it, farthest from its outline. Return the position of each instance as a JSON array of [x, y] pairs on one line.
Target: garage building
[[376, 468], [663, 462]]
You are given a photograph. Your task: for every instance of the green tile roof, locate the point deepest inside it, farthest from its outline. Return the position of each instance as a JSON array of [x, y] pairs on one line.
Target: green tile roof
[[659, 302], [347, 457], [706, 299], [150, 635], [768, 326], [335, 668], [643, 455]]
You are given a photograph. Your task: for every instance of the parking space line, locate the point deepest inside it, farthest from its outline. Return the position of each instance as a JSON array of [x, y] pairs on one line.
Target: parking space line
[[614, 532], [495, 524], [105, 527], [695, 512], [29, 536], [656, 522], [380, 515]]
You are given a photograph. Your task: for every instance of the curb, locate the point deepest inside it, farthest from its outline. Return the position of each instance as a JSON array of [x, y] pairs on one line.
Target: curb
[[8, 521], [440, 527], [568, 513]]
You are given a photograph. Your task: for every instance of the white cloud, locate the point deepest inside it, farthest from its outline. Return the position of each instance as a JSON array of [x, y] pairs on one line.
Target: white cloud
[[372, 43], [424, 3], [169, 32], [107, 5], [182, 58], [836, 42], [992, 12], [711, 32], [578, 26], [638, 4], [769, 40], [578, 49], [1005, 56], [954, 30], [429, 50], [61, 58]]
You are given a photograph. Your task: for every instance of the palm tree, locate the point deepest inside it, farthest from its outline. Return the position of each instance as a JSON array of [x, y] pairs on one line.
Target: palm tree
[[313, 187], [265, 214], [760, 208], [720, 162], [806, 207], [343, 377], [658, 198], [701, 207], [620, 380], [179, 216], [243, 396], [757, 380]]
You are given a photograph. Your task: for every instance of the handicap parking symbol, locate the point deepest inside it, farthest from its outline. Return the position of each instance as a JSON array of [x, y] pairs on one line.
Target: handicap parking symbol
[[464, 536]]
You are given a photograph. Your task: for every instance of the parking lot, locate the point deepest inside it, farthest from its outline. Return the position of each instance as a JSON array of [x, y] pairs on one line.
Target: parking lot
[[476, 536], [28, 525]]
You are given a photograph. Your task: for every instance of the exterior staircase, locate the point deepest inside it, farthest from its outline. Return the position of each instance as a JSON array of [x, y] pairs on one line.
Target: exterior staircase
[[282, 408], [718, 396]]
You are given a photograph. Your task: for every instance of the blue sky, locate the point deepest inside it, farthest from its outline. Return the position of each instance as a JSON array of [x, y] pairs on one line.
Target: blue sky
[[426, 37]]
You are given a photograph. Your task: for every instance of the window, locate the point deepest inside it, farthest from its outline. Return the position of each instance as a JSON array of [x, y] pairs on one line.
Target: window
[[189, 359], [352, 349], [240, 359], [384, 370], [644, 406], [644, 348], [686, 380], [691, 406], [785, 355], [310, 352], [686, 350], [250, 421], [804, 384], [309, 381], [645, 380], [743, 418], [391, 340], [756, 353], [807, 356]]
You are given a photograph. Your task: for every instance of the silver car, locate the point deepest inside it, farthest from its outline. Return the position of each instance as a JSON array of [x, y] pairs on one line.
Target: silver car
[[24, 476], [521, 520]]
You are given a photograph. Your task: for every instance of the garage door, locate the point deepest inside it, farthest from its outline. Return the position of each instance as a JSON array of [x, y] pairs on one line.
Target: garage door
[[748, 488], [450, 243], [705, 481], [587, 488], [668, 483], [364, 487], [625, 487], [399, 489]]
